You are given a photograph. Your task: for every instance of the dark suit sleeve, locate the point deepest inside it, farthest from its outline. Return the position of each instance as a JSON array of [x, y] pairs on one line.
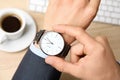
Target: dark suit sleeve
[[33, 67]]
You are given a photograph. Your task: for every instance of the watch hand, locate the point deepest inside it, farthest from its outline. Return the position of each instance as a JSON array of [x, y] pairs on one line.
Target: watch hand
[[46, 43], [49, 41]]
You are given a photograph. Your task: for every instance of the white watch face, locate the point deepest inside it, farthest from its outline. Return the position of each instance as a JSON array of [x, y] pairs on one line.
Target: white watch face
[[51, 43]]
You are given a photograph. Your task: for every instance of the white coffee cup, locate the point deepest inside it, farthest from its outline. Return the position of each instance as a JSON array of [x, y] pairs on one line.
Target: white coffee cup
[[12, 25]]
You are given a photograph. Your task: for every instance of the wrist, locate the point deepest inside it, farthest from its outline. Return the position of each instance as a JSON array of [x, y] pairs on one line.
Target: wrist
[[36, 50], [36, 44], [47, 42], [67, 38]]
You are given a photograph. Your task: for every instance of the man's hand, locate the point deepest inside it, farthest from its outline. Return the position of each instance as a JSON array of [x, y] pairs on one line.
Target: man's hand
[[97, 64], [71, 12]]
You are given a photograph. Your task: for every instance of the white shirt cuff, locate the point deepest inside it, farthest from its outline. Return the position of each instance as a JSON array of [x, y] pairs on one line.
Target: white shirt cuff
[[37, 51]]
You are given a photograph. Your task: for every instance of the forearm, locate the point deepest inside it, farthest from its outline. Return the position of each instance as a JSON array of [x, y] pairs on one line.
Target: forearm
[[79, 13]]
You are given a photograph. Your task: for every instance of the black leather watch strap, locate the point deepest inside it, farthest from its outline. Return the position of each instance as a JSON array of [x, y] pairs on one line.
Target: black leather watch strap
[[65, 50], [38, 35]]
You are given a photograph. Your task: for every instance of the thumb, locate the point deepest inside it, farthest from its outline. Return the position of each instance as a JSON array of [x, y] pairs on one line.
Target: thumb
[[60, 64]]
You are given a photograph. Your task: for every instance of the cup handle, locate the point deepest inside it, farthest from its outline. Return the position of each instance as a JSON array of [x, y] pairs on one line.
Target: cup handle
[[3, 37]]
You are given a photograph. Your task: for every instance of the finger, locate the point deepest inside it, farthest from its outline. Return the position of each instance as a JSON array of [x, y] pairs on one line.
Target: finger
[[68, 38], [60, 64], [103, 40], [77, 33], [76, 52], [95, 3]]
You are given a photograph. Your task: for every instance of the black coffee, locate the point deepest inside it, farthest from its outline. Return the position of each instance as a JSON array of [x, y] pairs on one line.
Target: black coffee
[[11, 24]]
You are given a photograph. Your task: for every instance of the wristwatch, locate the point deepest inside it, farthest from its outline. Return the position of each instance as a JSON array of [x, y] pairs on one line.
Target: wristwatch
[[52, 43]]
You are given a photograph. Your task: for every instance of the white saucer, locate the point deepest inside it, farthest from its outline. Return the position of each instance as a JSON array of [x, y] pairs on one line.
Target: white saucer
[[25, 40]]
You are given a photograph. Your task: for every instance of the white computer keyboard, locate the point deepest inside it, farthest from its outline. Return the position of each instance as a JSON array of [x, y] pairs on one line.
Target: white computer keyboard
[[38, 5], [109, 11]]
